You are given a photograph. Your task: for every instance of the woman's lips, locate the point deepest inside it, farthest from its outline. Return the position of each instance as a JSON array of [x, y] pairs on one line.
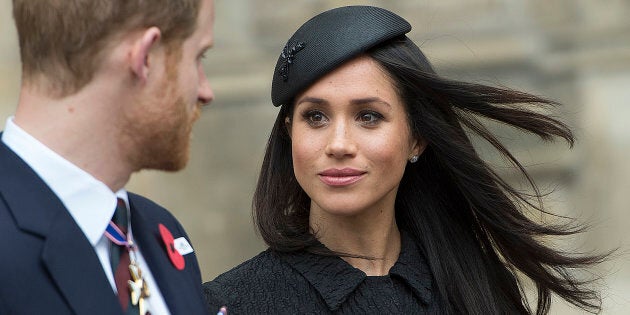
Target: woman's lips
[[340, 177]]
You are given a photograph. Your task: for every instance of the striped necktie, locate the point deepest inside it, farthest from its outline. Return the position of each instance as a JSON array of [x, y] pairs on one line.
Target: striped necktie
[[119, 258]]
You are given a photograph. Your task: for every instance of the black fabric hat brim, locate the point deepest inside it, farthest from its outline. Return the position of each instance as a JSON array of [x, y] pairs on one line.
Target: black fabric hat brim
[[328, 40]]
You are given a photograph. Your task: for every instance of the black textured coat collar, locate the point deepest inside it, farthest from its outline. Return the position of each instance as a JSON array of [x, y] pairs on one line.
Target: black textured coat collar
[[335, 279]]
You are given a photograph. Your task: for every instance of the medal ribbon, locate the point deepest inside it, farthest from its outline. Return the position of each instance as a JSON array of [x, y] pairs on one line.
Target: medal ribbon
[[114, 234], [137, 286]]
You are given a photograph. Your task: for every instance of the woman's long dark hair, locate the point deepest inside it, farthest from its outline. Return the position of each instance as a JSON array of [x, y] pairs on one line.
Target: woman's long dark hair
[[468, 221]]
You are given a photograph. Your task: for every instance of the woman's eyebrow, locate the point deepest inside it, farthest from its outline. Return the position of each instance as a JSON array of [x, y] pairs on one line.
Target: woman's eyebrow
[[359, 101], [369, 100], [314, 100]]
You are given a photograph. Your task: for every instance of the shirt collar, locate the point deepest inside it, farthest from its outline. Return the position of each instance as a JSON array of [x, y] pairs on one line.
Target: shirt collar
[[413, 268], [89, 201], [335, 279]]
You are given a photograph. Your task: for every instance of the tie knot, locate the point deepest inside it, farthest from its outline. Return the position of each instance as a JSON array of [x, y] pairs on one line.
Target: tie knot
[[120, 217]]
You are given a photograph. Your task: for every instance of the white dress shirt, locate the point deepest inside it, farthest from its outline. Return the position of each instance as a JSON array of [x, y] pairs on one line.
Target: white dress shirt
[[89, 201]]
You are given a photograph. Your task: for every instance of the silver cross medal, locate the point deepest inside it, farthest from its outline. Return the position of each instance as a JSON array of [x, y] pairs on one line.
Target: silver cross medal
[[138, 288]]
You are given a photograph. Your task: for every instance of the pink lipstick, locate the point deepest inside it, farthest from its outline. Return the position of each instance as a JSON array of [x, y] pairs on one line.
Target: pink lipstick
[[341, 177]]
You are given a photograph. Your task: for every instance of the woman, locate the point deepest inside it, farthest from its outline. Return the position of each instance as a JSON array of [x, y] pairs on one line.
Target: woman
[[372, 198]]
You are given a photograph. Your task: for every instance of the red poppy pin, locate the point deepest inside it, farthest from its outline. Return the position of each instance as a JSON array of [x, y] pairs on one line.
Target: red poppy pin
[[176, 258]]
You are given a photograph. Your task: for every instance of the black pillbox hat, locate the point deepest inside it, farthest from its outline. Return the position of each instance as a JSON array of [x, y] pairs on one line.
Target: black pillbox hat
[[326, 41]]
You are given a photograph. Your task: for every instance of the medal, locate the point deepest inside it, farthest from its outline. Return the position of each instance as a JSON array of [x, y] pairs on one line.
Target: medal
[[138, 288]]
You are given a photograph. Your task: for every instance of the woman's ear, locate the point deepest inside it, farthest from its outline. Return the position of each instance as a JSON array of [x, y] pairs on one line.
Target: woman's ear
[[420, 144], [287, 124], [140, 55]]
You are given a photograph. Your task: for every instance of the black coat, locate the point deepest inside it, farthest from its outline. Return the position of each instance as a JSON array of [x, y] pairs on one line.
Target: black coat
[[48, 266], [306, 283]]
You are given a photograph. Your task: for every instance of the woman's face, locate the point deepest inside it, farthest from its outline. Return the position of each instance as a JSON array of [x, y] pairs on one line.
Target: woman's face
[[351, 140]]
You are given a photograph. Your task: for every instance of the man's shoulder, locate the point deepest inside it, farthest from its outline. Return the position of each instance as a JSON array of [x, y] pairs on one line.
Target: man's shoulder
[[138, 200], [8, 158], [148, 214], [149, 207]]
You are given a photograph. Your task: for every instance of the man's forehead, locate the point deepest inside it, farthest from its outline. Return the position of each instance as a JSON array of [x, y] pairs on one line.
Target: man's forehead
[[205, 24]]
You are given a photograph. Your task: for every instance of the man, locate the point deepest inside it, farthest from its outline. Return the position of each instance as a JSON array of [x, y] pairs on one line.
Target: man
[[108, 88]]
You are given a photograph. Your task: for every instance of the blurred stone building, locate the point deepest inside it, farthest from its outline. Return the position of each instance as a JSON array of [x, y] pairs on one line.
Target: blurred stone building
[[574, 51]]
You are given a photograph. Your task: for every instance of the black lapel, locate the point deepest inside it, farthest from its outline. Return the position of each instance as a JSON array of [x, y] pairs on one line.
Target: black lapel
[[181, 293], [80, 277], [67, 254]]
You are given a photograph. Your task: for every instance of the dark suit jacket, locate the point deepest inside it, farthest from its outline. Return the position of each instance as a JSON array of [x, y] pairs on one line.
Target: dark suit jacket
[[48, 266]]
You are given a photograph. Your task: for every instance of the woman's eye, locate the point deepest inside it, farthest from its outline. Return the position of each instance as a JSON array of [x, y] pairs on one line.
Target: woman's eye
[[369, 118], [315, 118]]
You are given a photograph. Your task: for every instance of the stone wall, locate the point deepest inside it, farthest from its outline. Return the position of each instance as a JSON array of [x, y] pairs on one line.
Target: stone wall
[[576, 52]]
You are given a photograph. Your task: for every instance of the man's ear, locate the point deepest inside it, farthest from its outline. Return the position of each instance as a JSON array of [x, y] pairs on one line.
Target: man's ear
[[140, 56]]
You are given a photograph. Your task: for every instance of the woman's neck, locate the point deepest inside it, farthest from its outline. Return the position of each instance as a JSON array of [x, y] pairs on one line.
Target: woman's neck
[[376, 238]]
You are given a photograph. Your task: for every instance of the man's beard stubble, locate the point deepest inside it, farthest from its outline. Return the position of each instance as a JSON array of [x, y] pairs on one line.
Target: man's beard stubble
[[170, 149], [161, 133]]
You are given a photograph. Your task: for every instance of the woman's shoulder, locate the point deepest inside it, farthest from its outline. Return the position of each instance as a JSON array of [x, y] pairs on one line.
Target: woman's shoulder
[[260, 265], [252, 283], [237, 281], [260, 272]]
